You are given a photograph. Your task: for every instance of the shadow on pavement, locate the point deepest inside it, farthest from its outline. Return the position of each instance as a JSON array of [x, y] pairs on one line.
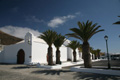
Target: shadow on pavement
[[51, 72], [20, 67], [91, 76]]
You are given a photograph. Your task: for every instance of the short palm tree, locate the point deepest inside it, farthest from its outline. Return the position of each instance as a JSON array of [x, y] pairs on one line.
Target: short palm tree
[[84, 33], [98, 52], [95, 54], [74, 45], [58, 43], [49, 37], [92, 51]]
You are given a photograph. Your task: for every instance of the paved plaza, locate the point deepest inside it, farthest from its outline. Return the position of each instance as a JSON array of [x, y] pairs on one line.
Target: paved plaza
[[23, 72]]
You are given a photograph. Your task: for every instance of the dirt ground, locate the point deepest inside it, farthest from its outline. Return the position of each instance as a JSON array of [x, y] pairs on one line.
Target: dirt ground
[[23, 72]]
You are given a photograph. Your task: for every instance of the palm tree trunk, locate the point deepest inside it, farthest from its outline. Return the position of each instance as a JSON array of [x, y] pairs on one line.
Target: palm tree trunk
[[74, 55], [58, 56], [95, 56], [82, 55], [98, 55], [92, 56], [86, 55], [50, 56]]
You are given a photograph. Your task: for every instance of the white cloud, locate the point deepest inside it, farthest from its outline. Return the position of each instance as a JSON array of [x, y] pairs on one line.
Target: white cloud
[[18, 31], [56, 21], [77, 13], [34, 19]]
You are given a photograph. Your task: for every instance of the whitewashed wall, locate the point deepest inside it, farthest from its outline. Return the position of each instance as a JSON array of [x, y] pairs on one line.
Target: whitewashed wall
[[77, 54], [40, 50], [70, 54], [63, 53], [10, 52], [1, 56], [80, 55]]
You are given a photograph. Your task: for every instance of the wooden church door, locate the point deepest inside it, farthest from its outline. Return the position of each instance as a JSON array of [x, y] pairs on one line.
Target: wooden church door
[[20, 57]]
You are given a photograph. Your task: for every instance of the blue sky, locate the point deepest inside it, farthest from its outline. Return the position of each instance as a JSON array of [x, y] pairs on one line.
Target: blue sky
[[20, 16]]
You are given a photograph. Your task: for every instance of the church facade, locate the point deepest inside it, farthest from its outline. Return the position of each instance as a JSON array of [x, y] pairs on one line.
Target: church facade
[[33, 50]]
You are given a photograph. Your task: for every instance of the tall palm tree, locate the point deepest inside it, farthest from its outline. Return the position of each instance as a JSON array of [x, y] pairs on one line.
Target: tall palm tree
[[58, 43], [84, 33], [49, 37], [74, 45], [118, 22]]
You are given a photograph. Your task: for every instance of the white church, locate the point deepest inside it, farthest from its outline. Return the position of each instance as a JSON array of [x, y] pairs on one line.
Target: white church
[[33, 50]]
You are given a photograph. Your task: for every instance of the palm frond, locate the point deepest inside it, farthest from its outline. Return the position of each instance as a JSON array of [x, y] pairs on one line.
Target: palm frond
[[59, 40], [80, 26], [118, 22], [49, 37], [95, 33], [77, 31], [85, 31], [73, 45], [74, 35]]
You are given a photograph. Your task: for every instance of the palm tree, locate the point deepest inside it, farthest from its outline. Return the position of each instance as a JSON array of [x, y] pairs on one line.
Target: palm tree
[[74, 45], [80, 48], [58, 43], [84, 33], [49, 37], [92, 51], [118, 22], [98, 52], [95, 53]]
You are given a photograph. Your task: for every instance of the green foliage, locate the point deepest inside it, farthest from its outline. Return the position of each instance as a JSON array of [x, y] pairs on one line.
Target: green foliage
[[49, 37], [93, 51], [98, 50], [85, 31], [80, 48], [73, 45], [59, 40]]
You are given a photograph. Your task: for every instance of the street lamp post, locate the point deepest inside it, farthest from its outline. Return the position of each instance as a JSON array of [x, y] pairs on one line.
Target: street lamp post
[[106, 39]]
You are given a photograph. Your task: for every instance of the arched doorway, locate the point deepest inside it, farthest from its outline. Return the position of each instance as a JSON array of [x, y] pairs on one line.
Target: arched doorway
[[20, 57]]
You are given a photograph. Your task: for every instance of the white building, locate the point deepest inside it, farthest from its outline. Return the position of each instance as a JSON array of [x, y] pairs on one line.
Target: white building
[[33, 50]]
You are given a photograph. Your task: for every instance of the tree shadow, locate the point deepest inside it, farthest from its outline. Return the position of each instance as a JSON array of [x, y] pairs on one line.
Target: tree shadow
[[23, 67], [92, 76], [7, 64], [51, 72], [20, 67]]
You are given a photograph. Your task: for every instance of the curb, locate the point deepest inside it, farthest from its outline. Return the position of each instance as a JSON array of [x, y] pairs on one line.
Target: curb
[[98, 71]]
